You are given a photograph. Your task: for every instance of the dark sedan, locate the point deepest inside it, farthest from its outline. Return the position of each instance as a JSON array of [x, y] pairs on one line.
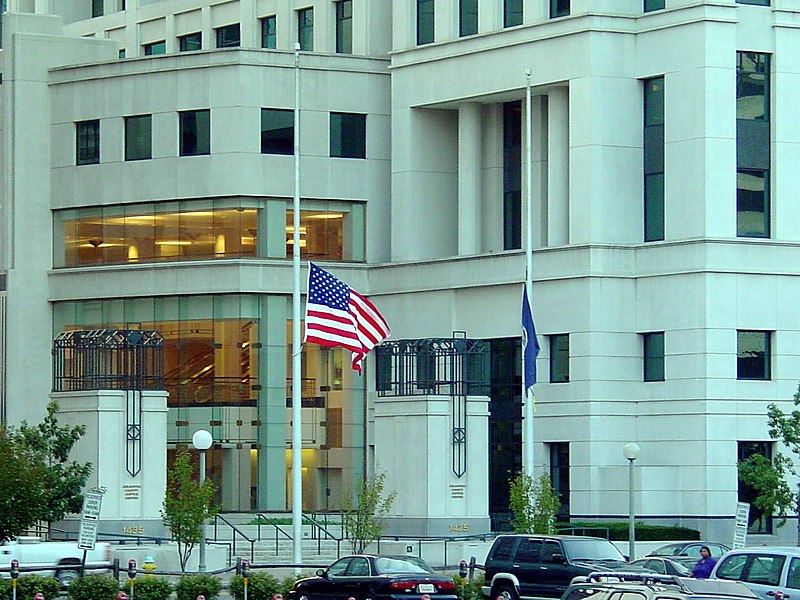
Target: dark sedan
[[372, 577]]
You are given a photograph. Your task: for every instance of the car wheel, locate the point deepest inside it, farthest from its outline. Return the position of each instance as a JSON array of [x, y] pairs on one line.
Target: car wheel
[[505, 592], [303, 596], [67, 577]]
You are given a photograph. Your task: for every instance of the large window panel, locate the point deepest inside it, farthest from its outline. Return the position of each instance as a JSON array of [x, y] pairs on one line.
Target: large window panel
[[332, 233], [87, 142], [512, 175], [512, 13], [425, 22], [190, 42], [348, 135], [194, 132], [653, 109], [559, 8], [467, 17], [653, 356], [305, 29], [269, 30], [138, 137], [753, 355], [752, 204], [559, 358], [344, 27], [229, 36], [277, 131]]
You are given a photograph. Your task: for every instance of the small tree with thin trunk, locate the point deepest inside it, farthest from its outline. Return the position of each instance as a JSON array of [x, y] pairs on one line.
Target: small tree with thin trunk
[[533, 504], [363, 515], [187, 504]]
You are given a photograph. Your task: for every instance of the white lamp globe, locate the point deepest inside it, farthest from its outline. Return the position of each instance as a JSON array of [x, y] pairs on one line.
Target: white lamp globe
[[631, 450], [202, 439]]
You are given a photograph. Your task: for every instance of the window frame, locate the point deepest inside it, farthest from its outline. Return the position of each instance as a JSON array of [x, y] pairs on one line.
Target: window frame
[[130, 122], [269, 37], [183, 41], [305, 28], [156, 48], [653, 365], [512, 13], [559, 364], [467, 17], [340, 147], [425, 22], [743, 369], [220, 39], [201, 146], [85, 130], [277, 147], [344, 27], [653, 150]]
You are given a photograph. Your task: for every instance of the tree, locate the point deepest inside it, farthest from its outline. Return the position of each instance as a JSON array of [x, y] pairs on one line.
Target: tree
[[533, 503], [22, 481], [64, 479], [362, 518], [770, 493], [187, 505]]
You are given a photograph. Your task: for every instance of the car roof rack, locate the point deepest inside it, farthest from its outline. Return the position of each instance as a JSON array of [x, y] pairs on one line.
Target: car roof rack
[[596, 576], [687, 585]]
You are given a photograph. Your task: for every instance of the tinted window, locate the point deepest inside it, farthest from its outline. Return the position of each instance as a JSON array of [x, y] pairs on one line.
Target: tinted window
[[339, 567], [528, 551], [504, 549], [793, 580], [359, 567], [410, 564], [731, 567], [549, 551], [764, 569], [592, 549]]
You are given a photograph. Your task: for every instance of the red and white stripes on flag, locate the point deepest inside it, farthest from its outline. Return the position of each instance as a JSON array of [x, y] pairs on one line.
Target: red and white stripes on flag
[[338, 316]]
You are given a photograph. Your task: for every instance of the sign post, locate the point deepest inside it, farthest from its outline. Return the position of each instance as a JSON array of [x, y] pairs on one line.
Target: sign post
[[87, 536], [740, 528]]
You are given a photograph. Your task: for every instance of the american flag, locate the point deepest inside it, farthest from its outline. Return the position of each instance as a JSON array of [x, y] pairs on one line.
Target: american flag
[[339, 316]]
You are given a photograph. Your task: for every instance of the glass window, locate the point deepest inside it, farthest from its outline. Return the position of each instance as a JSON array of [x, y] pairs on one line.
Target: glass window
[[504, 548], [550, 549], [269, 30], [228, 36], [344, 27], [277, 131], [138, 137], [755, 2], [559, 358], [559, 8], [653, 353], [653, 109], [467, 17], [559, 477], [650, 5], [753, 355], [512, 13], [348, 135], [164, 232], [98, 8], [752, 203], [328, 234], [121, 53], [752, 86], [190, 42], [425, 22], [153, 48], [195, 132], [512, 175], [793, 578], [528, 551], [87, 142], [305, 29]]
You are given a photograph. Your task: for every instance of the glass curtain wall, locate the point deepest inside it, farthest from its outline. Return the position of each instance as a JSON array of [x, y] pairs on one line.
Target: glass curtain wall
[[228, 370]]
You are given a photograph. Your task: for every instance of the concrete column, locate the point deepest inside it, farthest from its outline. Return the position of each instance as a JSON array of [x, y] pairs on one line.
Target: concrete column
[[413, 443], [469, 177], [558, 166], [130, 501]]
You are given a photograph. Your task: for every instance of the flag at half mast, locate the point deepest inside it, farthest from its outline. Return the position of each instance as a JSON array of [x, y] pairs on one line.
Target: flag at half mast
[[338, 316], [530, 344]]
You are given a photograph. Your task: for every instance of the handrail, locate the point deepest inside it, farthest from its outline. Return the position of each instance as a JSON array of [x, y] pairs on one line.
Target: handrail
[[278, 530], [235, 530], [317, 527]]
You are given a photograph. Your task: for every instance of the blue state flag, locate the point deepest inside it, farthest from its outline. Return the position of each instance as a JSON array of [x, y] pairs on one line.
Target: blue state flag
[[530, 345]]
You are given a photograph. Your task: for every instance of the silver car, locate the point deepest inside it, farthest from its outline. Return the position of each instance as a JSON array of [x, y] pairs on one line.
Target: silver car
[[772, 573]]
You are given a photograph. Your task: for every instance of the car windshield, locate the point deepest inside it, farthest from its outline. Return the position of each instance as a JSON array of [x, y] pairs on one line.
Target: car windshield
[[592, 550], [669, 550], [386, 565]]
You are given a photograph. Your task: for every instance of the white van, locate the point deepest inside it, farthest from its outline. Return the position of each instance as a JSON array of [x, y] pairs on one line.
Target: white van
[[772, 573]]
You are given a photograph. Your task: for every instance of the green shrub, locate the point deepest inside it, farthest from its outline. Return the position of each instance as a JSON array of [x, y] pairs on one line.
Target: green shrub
[[5, 589], [618, 531], [93, 587], [260, 586], [149, 587], [287, 583], [29, 585], [189, 587], [468, 589]]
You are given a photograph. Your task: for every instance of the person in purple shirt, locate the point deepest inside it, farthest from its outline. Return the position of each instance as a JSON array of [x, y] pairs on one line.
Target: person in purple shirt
[[702, 570]]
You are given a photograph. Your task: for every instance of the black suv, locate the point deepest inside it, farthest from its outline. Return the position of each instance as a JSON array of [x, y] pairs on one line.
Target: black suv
[[642, 586], [531, 566]]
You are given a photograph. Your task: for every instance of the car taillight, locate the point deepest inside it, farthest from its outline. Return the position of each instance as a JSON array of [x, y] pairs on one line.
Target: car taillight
[[403, 585]]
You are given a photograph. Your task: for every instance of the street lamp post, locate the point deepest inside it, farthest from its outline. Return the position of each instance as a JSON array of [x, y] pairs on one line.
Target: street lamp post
[[202, 441], [631, 452]]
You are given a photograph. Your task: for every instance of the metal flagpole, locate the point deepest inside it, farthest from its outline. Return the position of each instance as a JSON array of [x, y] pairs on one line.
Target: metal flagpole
[[527, 439], [297, 351]]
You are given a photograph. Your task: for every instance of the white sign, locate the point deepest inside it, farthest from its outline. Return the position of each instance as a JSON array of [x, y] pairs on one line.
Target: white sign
[[91, 505], [740, 528], [87, 534]]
